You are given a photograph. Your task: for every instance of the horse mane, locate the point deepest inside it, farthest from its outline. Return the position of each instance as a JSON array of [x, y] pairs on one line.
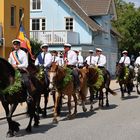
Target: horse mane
[[60, 73], [7, 73], [92, 75]]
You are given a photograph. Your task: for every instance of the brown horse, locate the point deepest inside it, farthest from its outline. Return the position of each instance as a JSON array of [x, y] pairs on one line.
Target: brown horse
[[89, 79], [57, 76], [125, 82], [10, 101]]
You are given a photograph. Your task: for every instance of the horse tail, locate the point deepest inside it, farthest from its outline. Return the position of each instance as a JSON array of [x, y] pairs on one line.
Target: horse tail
[[112, 92]]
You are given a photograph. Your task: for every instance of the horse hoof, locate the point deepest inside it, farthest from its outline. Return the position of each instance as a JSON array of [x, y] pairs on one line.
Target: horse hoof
[[55, 121], [85, 109], [28, 130], [107, 104], [9, 134], [36, 124], [44, 115], [91, 109]]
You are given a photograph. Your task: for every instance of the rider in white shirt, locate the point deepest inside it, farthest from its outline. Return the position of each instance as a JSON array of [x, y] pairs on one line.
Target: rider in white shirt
[[137, 62], [18, 58], [125, 59], [90, 59], [70, 59], [100, 59], [80, 59], [44, 59]]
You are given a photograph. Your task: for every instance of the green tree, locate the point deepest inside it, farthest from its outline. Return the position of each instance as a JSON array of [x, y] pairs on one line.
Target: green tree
[[128, 24]]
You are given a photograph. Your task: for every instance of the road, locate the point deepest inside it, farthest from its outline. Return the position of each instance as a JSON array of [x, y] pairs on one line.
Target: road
[[120, 121]]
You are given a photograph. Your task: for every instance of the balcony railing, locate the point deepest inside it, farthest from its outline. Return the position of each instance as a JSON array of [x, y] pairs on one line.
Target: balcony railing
[[55, 37]]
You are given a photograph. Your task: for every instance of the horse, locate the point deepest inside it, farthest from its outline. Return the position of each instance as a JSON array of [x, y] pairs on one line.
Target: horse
[[8, 72], [39, 73], [124, 80], [96, 81], [137, 78], [63, 84]]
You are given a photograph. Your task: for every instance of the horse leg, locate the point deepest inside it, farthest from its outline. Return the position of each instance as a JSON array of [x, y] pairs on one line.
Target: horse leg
[[75, 101], [101, 98], [91, 98], [46, 96], [31, 111], [13, 126], [57, 98], [107, 101], [122, 91], [83, 98], [69, 106]]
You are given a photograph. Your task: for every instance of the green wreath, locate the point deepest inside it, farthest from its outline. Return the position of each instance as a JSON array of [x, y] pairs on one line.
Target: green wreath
[[16, 86]]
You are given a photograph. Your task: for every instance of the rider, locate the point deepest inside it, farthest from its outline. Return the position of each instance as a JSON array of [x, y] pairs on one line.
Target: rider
[[90, 59], [80, 59], [19, 60], [44, 59], [137, 62], [100, 59], [125, 59], [56, 58], [70, 60]]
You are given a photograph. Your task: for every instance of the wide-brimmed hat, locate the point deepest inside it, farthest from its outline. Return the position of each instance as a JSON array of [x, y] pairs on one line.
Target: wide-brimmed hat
[[124, 52], [16, 42], [99, 49], [67, 45], [44, 46]]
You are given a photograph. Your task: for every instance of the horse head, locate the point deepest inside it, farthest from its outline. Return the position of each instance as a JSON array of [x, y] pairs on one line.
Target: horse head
[[92, 75], [120, 70], [7, 73], [55, 74]]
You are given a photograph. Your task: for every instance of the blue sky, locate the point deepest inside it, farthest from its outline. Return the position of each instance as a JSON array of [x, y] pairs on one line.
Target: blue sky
[[136, 2]]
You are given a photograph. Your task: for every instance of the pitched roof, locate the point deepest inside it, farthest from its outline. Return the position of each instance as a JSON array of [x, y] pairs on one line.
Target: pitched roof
[[82, 14], [95, 7]]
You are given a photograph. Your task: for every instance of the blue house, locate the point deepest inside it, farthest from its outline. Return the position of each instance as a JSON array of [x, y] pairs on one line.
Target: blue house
[[84, 24]]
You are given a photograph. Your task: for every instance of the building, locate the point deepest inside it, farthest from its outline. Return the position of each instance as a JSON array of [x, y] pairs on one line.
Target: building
[[10, 15], [84, 24]]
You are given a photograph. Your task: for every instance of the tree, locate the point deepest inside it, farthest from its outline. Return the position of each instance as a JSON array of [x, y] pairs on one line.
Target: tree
[[128, 24]]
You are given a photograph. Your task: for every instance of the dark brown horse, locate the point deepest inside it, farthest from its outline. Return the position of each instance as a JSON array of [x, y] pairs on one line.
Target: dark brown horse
[[124, 77], [7, 72], [57, 75], [89, 79]]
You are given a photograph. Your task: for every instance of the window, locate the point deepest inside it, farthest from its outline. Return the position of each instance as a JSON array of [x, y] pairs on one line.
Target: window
[[13, 16], [21, 11], [35, 4], [38, 24], [69, 24]]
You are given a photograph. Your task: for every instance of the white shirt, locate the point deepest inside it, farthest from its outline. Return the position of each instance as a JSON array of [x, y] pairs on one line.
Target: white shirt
[[125, 60], [60, 61], [22, 57], [47, 59], [101, 60], [137, 62], [80, 60], [71, 57], [90, 60]]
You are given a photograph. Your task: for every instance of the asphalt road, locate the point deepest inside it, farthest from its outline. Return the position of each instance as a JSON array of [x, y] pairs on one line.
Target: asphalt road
[[120, 121]]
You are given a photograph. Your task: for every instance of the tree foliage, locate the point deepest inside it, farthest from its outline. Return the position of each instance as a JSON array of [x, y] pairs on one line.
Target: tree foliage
[[128, 24]]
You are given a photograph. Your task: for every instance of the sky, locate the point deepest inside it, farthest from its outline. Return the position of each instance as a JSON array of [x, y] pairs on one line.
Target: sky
[[136, 2]]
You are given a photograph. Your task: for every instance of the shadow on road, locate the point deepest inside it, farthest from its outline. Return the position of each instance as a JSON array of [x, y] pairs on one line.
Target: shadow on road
[[112, 106], [130, 97], [35, 130]]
